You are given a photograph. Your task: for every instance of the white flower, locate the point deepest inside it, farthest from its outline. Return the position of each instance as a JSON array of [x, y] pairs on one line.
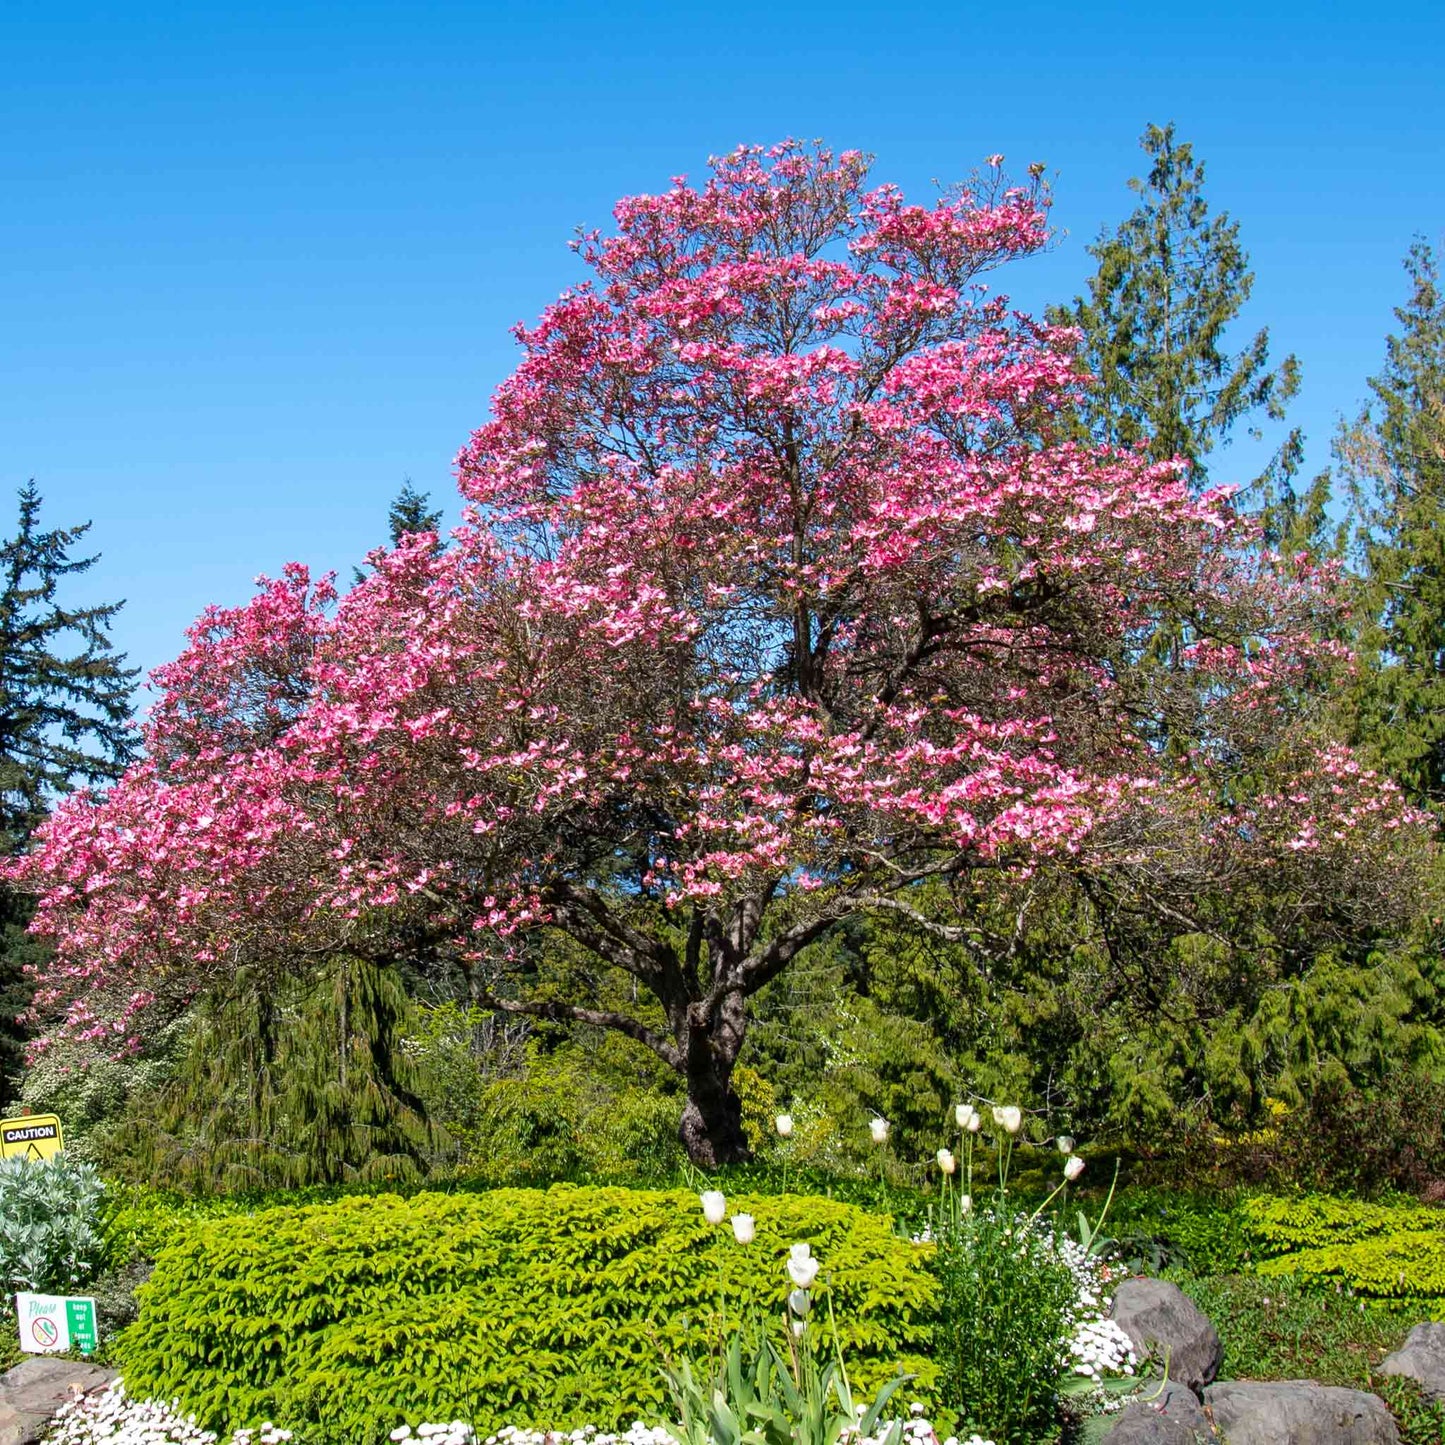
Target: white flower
[[784, 1125], [966, 1203], [802, 1267], [1065, 1143], [743, 1230], [946, 1161], [1073, 1167], [878, 1128], [798, 1302], [1009, 1117], [714, 1206], [798, 1328], [962, 1113]]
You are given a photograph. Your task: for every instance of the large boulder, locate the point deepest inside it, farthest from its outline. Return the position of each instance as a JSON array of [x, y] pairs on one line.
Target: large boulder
[[1299, 1412], [1422, 1359], [36, 1388], [1164, 1322], [1173, 1417]]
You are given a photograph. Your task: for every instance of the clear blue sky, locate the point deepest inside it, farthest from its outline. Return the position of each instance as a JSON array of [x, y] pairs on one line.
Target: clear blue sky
[[259, 261]]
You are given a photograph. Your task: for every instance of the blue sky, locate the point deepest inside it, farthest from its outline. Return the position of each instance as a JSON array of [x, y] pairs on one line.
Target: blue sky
[[259, 261]]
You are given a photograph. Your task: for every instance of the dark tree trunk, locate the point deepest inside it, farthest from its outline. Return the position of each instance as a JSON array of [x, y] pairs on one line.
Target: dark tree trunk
[[712, 1120], [712, 1126]]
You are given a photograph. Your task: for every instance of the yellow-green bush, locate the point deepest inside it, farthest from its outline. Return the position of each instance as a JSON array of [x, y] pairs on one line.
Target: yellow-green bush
[[1390, 1251], [546, 1307]]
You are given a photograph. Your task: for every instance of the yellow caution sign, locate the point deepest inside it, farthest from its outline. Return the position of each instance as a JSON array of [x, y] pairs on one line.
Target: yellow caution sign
[[35, 1136]]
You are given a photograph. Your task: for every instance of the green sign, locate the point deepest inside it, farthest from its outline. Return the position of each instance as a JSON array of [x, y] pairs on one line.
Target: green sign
[[80, 1316]]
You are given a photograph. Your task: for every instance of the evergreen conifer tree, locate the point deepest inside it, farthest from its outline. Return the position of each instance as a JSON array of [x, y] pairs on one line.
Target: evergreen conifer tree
[[409, 513], [1170, 280], [65, 705], [1394, 460]]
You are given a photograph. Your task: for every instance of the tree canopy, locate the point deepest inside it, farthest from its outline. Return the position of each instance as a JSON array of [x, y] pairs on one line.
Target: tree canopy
[[786, 593]]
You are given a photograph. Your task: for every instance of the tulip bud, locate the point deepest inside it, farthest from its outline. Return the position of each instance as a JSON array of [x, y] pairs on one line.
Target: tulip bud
[[1009, 1117], [798, 1329], [1073, 1167], [946, 1161], [798, 1302], [961, 1113], [784, 1125], [878, 1128], [965, 1204], [743, 1229], [1065, 1143], [714, 1206]]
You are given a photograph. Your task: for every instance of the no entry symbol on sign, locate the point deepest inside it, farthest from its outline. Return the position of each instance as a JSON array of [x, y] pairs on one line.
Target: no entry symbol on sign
[[44, 1331]]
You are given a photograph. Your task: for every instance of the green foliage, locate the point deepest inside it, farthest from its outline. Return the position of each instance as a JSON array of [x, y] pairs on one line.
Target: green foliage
[[762, 1397], [65, 702], [1004, 1297], [1421, 1420], [1158, 1229], [549, 1307], [50, 1225], [1383, 1250], [1170, 281], [1393, 457], [284, 1083], [1280, 1329]]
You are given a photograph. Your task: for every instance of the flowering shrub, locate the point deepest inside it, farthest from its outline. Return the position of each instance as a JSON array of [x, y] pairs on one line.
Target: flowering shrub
[[50, 1223]]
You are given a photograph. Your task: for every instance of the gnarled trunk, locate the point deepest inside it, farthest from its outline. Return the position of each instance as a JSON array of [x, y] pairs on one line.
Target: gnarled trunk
[[712, 1124], [712, 1120]]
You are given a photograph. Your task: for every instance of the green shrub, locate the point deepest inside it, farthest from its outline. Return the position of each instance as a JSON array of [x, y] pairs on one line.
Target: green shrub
[[551, 1307], [1003, 1310], [1388, 1251], [50, 1216], [1158, 1230]]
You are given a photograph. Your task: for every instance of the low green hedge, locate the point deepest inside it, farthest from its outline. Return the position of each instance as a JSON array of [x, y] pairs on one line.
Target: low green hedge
[[1388, 1251], [520, 1306]]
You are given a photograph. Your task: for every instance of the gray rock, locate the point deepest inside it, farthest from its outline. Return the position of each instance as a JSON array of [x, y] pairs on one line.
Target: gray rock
[[1175, 1417], [1299, 1412], [36, 1388], [1422, 1359], [1163, 1321]]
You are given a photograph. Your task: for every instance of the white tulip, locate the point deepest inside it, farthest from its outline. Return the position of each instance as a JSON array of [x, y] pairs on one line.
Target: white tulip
[[743, 1230], [946, 1161], [714, 1206], [1009, 1117], [975, 1120], [798, 1302], [801, 1250], [961, 1113], [784, 1125], [878, 1128], [802, 1270], [1073, 1167], [798, 1328], [965, 1204], [1065, 1143]]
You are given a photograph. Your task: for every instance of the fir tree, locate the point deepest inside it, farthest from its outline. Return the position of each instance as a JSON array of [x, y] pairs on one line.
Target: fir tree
[[65, 705], [1170, 281], [1394, 460], [408, 515]]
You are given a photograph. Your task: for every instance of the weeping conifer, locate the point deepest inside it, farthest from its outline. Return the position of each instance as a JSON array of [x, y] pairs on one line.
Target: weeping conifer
[[285, 1084]]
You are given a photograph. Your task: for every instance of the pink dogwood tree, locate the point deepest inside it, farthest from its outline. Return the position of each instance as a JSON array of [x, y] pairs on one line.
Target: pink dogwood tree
[[783, 594]]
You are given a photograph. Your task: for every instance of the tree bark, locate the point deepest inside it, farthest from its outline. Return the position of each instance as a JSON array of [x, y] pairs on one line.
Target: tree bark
[[712, 1122]]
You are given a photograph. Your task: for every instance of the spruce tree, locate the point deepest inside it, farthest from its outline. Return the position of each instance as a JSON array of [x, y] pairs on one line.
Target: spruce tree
[[409, 514], [1170, 280], [65, 705], [1394, 460]]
